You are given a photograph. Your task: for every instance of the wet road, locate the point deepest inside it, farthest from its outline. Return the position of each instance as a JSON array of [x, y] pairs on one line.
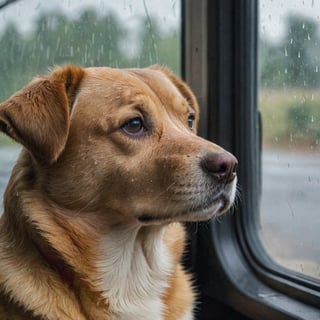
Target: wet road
[[290, 209]]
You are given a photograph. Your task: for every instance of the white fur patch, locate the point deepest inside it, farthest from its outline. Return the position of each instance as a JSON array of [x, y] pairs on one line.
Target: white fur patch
[[188, 315], [133, 272]]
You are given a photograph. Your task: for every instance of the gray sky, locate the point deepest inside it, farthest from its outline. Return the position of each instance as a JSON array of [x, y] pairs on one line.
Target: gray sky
[[272, 12], [24, 12]]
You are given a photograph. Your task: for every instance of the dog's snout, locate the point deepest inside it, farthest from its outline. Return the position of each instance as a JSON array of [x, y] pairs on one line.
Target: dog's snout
[[220, 165]]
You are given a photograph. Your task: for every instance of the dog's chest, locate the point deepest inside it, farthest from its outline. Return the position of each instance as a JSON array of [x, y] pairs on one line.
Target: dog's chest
[[133, 274]]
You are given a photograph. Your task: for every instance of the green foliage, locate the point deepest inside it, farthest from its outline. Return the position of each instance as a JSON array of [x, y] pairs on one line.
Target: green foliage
[[157, 46], [295, 61], [301, 40], [273, 68], [89, 40], [291, 117], [304, 121], [13, 64], [289, 78]]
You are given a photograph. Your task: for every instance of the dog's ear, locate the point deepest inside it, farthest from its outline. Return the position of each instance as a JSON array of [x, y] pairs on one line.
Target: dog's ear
[[37, 116], [182, 87]]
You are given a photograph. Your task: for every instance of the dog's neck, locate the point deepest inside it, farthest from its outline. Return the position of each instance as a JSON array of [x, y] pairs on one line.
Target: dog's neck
[[56, 263], [126, 269], [133, 271]]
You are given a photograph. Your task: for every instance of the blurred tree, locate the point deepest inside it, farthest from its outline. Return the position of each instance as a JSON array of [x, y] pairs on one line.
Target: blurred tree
[[88, 40], [158, 46], [296, 59], [103, 37], [272, 67], [12, 61], [300, 42]]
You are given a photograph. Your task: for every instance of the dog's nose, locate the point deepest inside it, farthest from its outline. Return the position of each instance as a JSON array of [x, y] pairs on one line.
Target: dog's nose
[[220, 165]]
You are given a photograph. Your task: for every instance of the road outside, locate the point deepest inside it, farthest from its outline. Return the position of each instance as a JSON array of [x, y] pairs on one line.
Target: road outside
[[290, 215]]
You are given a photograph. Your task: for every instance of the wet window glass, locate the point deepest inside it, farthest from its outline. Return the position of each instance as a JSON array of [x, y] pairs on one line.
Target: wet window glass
[[37, 35], [289, 101]]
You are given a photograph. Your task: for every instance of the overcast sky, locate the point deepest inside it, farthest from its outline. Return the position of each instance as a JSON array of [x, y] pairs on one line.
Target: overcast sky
[[272, 12], [24, 12]]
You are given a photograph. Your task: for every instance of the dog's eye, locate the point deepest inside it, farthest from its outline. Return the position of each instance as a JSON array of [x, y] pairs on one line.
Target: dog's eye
[[191, 119], [134, 127]]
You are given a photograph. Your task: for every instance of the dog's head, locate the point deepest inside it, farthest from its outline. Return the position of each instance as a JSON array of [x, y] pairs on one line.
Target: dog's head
[[120, 143]]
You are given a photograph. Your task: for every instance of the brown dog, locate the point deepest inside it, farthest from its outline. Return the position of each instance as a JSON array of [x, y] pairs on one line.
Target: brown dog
[[111, 163]]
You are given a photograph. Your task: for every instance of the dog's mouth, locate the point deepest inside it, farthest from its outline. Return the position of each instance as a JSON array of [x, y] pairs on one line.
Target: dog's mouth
[[210, 208]]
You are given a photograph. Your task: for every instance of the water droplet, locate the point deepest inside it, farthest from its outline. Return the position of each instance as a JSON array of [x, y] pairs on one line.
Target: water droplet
[[299, 55], [285, 52]]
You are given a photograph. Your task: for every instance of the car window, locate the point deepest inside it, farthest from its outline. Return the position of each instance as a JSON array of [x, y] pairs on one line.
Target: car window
[[289, 101]]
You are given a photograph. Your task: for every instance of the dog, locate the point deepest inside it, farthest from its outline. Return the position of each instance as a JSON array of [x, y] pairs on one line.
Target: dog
[[110, 168]]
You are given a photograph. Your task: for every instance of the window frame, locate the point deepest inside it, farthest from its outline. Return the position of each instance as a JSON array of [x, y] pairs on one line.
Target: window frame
[[220, 39]]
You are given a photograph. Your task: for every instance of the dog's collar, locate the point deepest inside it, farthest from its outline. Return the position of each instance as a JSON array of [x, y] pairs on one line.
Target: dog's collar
[[56, 263]]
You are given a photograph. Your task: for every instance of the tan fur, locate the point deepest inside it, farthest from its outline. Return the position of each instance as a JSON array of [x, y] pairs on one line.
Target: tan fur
[[90, 224]]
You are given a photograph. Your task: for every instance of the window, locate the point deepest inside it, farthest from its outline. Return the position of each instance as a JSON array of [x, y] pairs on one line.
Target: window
[[255, 263], [290, 106], [36, 35], [238, 274]]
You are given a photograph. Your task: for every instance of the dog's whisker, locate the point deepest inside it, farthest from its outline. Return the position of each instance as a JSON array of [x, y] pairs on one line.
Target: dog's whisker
[[158, 195]]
